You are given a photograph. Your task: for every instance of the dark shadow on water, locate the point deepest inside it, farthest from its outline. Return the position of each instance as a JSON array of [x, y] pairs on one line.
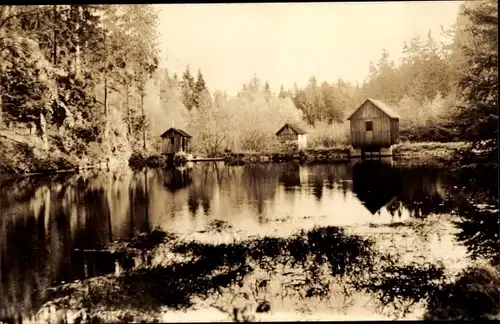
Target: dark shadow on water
[[174, 179], [475, 209], [289, 176], [201, 187], [479, 229], [93, 263], [376, 184], [260, 183], [209, 269], [423, 192], [480, 235], [213, 267], [401, 286]]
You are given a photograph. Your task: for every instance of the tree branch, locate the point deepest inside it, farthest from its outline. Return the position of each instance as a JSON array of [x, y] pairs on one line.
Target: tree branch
[[35, 11]]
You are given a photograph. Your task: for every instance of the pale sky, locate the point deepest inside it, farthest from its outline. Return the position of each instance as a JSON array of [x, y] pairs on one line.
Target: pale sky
[[289, 42]]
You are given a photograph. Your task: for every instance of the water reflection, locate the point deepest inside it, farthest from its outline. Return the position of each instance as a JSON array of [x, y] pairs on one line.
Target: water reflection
[[289, 176], [92, 263], [174, 179], [45, 219], [423, 193], [376, 184]]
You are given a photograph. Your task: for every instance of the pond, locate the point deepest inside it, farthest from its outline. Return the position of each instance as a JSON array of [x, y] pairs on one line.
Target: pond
[[50, 225]]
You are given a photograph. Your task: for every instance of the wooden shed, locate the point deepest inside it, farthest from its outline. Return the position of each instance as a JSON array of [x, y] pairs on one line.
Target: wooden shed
[[175, 140], [374, 127], [293, 133]]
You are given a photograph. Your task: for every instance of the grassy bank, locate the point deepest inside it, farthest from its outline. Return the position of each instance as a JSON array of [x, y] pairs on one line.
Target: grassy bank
[[427, 152], [338, 154], [18, 158], [420, 153], [414, 153]]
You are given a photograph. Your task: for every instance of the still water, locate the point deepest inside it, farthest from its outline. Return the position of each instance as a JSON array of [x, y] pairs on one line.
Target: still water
[[45, 221]]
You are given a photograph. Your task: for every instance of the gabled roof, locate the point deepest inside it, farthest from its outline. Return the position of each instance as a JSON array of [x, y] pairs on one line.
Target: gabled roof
[[295, 127], [380, 105], [176, 130]]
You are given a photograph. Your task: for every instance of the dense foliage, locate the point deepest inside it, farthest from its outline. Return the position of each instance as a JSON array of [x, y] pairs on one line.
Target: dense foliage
[[477, 119], [71, 69], [427, 87], [87, 77]]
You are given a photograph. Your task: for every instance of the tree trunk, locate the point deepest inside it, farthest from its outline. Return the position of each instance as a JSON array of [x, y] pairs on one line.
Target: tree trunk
[[54, 39], [43, 132], [147, 199], [106, 96], [144, 122], [127, 103], [1, 112], [106, 126], [77, 35]]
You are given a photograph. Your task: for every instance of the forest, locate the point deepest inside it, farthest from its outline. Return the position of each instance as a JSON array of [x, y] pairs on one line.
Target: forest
[[85, 82]]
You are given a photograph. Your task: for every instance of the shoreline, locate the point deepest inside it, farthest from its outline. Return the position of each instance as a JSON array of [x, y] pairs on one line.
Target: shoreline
[[416, 153], [422, 153]]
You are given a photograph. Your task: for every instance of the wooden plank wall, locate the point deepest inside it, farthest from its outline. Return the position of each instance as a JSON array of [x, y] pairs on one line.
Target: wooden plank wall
[[168, 147], [287, 134], [381, 126], [394, 131]]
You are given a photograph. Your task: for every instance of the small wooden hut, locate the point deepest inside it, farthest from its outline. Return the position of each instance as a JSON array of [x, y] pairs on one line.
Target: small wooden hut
[[374, 128], [293, 133], [175, 140]]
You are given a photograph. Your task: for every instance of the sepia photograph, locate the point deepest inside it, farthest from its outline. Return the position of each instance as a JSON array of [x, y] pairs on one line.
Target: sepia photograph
[[249, 162]]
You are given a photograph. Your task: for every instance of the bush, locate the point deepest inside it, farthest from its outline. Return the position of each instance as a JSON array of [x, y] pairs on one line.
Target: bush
[[137, 160], [255, 140], [325, 135], [20, 158], [428, 147], [474, 296], [433, 133], [154, 161], [288, 147]]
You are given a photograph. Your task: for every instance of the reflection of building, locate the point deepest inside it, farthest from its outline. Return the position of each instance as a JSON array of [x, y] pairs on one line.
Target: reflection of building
[[175, 178], [202, 188], [374, 128], [260, 184], [375, 184], [293, 133], [289, 176], [304, 175]]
